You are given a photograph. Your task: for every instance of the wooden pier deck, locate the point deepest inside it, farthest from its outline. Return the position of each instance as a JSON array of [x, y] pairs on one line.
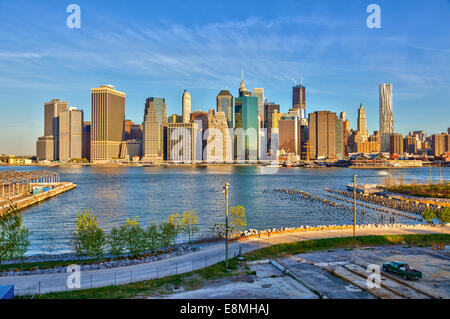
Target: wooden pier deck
[[26, 200]]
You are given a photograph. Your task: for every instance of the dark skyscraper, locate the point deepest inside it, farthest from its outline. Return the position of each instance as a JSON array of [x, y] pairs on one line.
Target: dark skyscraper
[[224, 103], [298, 97]]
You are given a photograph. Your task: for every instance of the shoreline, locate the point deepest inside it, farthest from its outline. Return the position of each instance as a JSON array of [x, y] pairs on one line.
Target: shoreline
[[305, 165]]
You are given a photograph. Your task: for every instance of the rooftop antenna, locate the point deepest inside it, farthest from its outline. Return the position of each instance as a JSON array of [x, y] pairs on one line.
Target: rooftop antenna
[[242, 72], [303, 78], [226, 85]]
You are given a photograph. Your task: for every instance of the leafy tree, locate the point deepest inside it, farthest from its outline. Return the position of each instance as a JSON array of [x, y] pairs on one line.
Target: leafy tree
[[238, 220], [167, 234], [134, 236], [152, 237], [115, 241], [189, 224], [428, 215], [175, 221], [88, 237], [444, 215], [13, 235]]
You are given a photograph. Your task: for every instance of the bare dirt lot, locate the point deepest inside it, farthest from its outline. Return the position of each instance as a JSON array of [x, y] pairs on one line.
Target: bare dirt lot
[[335, 274]]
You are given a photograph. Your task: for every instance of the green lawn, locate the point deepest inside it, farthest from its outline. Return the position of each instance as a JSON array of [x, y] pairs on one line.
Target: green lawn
[[196, 279]]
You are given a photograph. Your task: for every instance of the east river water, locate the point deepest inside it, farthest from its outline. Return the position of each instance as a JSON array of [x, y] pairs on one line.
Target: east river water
[[152, 194]]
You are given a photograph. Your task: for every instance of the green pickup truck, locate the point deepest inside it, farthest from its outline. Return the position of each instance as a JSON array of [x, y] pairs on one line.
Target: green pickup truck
[[402, 269]]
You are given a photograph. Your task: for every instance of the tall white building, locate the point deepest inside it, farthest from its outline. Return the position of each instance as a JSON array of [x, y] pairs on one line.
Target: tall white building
[[386, 116], [186, 102]]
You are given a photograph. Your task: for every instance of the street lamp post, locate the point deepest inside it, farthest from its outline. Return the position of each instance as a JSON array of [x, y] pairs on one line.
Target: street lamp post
[[354, 205], [226, 225]]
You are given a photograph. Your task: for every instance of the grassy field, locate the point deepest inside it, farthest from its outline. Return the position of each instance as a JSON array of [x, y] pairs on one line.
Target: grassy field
[[196, 279], [433, 191]]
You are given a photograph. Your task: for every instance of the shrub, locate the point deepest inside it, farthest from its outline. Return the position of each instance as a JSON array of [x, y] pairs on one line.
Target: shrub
[[189, 224], [115, 241], [88, 237], [219, 229]]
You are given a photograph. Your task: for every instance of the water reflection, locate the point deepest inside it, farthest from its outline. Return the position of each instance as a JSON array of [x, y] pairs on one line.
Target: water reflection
[[152, 194]]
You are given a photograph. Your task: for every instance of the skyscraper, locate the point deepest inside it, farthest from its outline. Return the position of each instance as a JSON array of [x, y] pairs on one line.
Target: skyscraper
[[322, 135], [299, 99], [180, 142], [186, 103], [52, 110], [107, 116], [47, 146], [362, 122], [246, 118], [269, 110], [219, 140], [243, 90], [224, 103], [386, 116], [259, 93], [70, 134], [86, 151], [396, 144], [155, 118]]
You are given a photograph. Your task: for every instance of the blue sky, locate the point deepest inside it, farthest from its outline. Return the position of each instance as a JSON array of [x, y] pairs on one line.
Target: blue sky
[[160, 48]]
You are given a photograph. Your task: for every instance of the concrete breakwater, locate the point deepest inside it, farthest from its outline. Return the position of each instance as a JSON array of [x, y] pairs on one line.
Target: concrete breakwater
[[29, 199]]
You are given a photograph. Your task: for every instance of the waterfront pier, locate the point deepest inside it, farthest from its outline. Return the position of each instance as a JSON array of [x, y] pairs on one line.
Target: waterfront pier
[[19, 190]]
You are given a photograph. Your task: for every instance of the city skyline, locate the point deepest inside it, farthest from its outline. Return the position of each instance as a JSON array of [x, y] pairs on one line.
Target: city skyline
[[206, 54]]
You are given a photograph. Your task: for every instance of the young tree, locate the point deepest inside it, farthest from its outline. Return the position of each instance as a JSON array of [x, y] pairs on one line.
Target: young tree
[[13, 236], [175, 221], [116, 245], [219, 229], [189, 224], [167, 235], [238, 220], [152, 237], [88, 237], [428, 215], [134, 236]]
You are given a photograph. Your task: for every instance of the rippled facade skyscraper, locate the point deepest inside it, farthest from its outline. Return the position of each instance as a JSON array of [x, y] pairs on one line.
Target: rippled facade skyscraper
[[386, 116]]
